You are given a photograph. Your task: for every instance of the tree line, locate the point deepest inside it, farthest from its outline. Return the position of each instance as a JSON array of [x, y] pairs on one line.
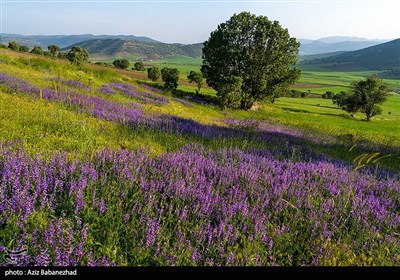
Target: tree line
[[76, 55]]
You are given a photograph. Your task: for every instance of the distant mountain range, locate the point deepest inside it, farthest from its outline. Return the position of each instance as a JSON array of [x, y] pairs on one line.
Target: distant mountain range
[[335, 49], [335, 44], [65, 40], [379, 57], [127, 48]]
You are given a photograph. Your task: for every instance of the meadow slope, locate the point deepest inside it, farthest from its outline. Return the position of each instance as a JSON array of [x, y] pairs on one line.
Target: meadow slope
[[99, 168]]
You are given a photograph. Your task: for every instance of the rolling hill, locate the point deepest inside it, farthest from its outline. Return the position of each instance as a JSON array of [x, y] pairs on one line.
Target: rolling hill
[[311, 57], [380, 57], [21, 41], [65, 40], [129, 48]]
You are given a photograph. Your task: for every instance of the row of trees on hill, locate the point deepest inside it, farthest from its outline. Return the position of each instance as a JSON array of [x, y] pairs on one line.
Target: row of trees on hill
[[170, 76], [124, 64], [52, 50], [76, 55]]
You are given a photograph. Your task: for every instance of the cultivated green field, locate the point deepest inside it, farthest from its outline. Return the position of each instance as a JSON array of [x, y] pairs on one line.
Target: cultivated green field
[[183, 63], [315, 78], [322, 115]]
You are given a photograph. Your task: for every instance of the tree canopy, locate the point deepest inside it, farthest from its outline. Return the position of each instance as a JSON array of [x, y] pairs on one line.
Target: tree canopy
[[121, 63], [153, 73], [366, 96], [171, 77], [197, 78], [23, 48], [139, 66], [13, 46], [78, 55], [37, 50], [254, 51], [53, 49]]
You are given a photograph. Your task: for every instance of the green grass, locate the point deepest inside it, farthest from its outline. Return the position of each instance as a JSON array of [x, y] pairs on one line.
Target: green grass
[[314, 75], [322, 115], [41, 126]]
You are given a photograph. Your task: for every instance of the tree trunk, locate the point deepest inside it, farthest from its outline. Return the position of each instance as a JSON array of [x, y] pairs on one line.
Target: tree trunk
[[246, 106]]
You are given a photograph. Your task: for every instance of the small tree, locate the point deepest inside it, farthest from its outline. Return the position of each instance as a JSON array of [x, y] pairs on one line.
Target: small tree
[[139, 66], [78, 56], [13, 46], [153, 73], [53, 49], [294, 93], [328, 95], [23, 48], [304, 94], [367, 95], [171, 77], [196, 77], [121, 63], [37, 50], [62, 55], [2, 46]]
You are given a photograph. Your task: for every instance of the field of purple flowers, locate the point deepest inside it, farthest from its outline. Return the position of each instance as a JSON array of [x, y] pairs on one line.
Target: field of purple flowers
[[196, 207], [283, 204]]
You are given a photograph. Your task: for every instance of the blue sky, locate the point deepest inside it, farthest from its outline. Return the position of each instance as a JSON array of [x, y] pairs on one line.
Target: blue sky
[[192, 21]]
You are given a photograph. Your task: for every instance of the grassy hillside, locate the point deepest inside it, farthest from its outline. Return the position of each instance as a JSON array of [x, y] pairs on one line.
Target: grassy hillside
[[98, 168], [128, 48], [379, 57]]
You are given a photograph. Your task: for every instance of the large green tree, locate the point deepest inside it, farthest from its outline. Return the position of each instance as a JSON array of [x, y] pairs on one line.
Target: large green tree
[[153, 73], [171, 77], [256, 51], [78, 56]]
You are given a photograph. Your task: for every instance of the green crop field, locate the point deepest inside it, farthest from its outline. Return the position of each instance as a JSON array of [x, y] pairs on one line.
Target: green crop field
[[324, 116], [184, 64], [315, 78]]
